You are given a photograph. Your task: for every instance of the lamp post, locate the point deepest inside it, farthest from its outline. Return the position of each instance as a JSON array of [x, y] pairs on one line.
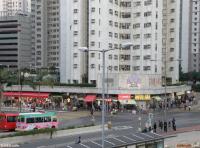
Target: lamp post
[[103, 51]]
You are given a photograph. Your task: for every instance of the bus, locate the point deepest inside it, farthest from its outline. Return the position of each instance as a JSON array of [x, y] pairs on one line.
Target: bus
[[36, 120], [8, 121]]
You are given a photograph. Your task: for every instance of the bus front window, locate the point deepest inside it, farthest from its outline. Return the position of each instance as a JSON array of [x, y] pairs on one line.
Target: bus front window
[[11, 118], [2, 118]]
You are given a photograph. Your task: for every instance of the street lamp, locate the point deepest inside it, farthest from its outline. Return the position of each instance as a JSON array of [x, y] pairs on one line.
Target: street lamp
[[103, 51]]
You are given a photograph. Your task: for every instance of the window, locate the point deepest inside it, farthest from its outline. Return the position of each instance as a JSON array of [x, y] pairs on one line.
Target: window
[[11, 118], [136, 25], [92, 32], [146, 25], [47, 119], [92, 21], [92, 43], [148, 2], [148, 46], [30, 120], [75, 32], [172, 10], [75, 66], [138, 3], [146, 14], [146, 68], [110, 34], [38, 119], [111, 11], [136, 47], [116, 68], [75, 55], [136, 68], [92, 55], [148, 35], [147, 57], [92, 66], [75, 21], [92, 9], [136, 57], [75, 10]]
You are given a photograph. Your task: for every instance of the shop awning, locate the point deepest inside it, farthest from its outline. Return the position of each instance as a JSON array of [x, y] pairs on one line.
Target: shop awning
[[180, 93], [124, 97], [90, 98], [26, 94], [157, 98]]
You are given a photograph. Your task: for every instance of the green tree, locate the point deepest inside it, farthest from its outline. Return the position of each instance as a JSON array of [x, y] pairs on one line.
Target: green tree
[[4, 76]]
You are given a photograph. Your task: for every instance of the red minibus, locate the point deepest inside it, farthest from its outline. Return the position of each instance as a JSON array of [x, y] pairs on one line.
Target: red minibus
[[8, 121]]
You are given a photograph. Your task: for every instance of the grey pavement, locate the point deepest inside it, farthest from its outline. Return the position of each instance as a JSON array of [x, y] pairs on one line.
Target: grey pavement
[[192, 138]]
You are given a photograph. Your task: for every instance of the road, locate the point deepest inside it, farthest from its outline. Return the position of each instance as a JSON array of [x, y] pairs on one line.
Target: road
[[123, 124]]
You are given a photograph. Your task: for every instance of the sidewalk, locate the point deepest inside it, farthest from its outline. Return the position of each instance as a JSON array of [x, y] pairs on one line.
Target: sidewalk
[[181, 130], [187, 138]]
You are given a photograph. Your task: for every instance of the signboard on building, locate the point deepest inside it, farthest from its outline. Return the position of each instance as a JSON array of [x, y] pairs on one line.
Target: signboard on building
[[142, 97]]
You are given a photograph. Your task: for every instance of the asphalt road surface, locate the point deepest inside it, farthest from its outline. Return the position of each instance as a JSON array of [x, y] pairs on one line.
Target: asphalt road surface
[[123, 124]]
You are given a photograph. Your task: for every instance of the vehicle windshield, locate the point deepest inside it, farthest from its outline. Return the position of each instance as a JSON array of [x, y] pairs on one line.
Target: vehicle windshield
[[2, 118], [11, 118]]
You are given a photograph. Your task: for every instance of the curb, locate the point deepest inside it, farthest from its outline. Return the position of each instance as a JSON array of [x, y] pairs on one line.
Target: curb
[[61, 133]]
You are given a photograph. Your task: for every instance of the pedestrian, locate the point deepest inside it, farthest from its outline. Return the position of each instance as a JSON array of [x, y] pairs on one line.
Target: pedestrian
[[161, 125], [165, 126], [154, 127], [189, 107], [174, 127], [91, 111], [150, 128], [169, 124], [79, 140], [173, 121]]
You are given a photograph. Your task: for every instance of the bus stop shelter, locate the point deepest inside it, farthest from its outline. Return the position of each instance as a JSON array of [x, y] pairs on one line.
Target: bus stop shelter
[[136, 140]]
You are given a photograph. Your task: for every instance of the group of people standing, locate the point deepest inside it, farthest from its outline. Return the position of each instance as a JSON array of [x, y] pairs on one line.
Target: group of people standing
[[164, 125]]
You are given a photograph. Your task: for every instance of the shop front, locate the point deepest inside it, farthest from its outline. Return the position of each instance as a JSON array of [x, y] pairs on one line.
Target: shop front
[[26, 99], [143, 101]]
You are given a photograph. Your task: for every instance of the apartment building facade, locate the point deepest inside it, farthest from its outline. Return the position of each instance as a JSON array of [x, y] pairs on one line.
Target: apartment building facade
[[73, 36], [15, 41], [45, 33], [194, 36], [171, 39], [15, 6]]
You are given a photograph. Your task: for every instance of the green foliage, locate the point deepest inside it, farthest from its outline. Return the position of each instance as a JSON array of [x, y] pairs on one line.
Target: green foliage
[[44, 131], [32, 132], [196, 88], [191, 76], [76, 85]]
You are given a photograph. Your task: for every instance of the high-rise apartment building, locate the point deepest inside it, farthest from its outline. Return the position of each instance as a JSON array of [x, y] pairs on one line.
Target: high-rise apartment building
[[15, 41], [45, 32], [194, 36], [15, 6], [151, 25], [185, 31], [171, 39]]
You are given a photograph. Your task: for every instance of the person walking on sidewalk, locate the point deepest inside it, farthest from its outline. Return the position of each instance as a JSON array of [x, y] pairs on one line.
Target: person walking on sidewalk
[[154, 127], [165, 126], [161, 125]]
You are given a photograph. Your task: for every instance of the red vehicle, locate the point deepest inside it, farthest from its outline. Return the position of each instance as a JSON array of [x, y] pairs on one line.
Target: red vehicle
[[8, 121]]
